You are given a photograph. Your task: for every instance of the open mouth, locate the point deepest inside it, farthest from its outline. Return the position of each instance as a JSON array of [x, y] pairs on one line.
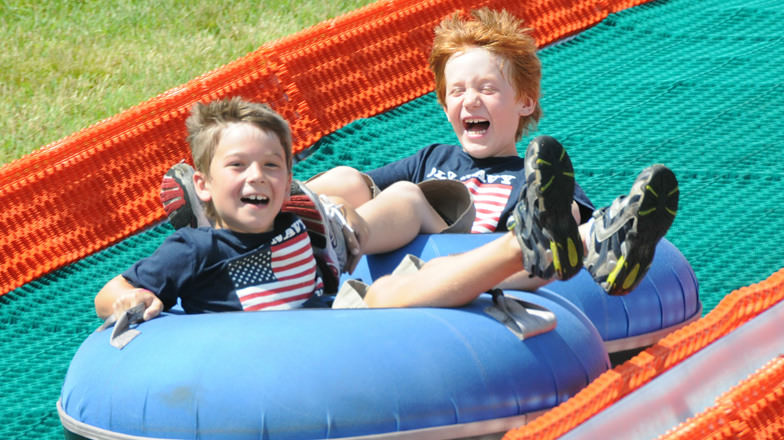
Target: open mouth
[[255, 200], [476, 126]]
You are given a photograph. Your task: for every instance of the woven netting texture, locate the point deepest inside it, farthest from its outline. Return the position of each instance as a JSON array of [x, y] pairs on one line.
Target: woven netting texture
[[694, 85]]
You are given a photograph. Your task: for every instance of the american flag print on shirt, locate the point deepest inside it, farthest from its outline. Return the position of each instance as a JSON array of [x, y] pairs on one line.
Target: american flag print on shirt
[[489, 200], [281, 275]]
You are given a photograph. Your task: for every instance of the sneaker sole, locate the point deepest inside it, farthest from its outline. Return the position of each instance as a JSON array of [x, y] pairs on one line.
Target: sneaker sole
[[175, 200], [655, 213], [552, 195], [301, 203]]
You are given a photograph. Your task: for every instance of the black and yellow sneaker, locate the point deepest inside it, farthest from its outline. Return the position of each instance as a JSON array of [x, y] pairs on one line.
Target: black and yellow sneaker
[[542, 219], [623, 237]]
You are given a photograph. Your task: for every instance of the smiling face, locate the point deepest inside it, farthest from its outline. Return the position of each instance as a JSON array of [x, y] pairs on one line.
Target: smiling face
[[248, 179], [482, 105]]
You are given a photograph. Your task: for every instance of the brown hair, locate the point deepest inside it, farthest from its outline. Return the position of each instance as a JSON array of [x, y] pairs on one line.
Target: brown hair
[[502, 34], [207, 122]]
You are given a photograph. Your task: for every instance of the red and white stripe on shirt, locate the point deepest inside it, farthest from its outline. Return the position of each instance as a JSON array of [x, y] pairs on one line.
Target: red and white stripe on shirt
[[489, 200]]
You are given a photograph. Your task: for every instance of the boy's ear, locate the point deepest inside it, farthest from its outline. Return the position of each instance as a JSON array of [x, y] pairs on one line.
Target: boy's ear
[[527, 106], [202, 187], [287, 197]]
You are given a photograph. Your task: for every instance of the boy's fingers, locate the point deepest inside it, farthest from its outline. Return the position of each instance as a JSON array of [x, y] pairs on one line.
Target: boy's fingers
[[152, 305], [352, 241], [154, 309], [354, 248], [120, 306], [355, 232]]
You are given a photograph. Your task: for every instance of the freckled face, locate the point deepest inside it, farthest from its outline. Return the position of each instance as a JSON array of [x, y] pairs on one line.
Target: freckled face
[[248, 180], [481, 104]]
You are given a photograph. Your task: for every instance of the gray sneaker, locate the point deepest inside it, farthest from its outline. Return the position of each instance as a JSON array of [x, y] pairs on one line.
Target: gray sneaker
[[624, 235], [542, 219], [178, 196], [327, 226]]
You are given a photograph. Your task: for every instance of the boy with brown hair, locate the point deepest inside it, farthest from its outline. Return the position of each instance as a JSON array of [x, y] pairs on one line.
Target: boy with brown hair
[[255, 257]]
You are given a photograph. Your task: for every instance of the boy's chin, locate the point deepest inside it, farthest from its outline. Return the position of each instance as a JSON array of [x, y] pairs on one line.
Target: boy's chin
[[254, 230], [479, 151]]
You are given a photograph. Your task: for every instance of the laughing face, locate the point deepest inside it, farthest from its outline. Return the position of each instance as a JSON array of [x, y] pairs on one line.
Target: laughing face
[[248, 180], [481, 103]]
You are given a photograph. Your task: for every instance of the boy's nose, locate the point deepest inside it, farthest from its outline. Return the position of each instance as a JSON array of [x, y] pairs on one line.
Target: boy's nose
[[255, 173], [471, 98]]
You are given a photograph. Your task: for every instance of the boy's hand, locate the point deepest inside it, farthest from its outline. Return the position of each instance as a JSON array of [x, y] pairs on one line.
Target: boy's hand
[[356, 235], [152, 305]]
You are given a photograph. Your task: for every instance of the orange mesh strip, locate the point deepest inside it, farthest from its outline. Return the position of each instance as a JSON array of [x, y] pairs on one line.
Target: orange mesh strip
[[753, 409], [100, 185], [734, 310]]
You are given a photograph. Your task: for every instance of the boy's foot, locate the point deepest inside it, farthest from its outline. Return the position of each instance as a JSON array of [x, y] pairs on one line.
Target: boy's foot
[[327, 226], [624, 235], [543, 221], [179, 199]]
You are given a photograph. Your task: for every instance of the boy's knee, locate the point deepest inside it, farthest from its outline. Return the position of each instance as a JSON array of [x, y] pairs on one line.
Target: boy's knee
[[342, 174], [449, 199], [345, 181], [375, 293], [406, 190]]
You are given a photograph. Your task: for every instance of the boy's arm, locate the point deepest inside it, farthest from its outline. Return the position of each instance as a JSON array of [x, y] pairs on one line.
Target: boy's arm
[[118, 295]]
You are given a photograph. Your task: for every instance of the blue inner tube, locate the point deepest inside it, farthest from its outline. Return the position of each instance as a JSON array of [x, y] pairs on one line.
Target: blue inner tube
[[321, 373]]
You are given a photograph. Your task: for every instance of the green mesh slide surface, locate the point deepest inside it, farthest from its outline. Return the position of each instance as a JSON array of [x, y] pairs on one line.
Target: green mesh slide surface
[[696, 85]]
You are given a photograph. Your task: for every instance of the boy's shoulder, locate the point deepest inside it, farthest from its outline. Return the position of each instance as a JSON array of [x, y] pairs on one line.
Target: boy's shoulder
[[195, 242], [453, 150], [286, 224], [442, 151], [443, 148], [456, 155], [197, 235], [210, 244]]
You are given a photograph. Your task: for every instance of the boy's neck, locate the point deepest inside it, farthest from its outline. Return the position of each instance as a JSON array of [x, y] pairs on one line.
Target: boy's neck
[[506, 153]]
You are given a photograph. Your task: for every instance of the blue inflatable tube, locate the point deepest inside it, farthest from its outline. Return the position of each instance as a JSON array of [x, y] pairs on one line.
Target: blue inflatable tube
[[366, 373], [666, 299], [322, 373]]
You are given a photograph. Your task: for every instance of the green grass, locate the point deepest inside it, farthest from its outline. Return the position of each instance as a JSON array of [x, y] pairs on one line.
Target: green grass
[[67, 64]]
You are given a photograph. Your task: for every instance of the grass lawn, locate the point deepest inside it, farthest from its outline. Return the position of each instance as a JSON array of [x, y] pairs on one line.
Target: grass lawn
[[67, 64]]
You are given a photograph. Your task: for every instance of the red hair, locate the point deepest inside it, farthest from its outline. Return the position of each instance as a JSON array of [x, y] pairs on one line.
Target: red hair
[[501, 34]]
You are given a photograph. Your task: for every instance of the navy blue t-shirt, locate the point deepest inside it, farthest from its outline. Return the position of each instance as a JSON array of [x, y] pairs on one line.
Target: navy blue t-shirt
[[216, 270], [495, 182]]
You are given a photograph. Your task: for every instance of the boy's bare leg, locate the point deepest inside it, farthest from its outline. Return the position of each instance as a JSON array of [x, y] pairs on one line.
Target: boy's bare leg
[[396, 216], [393, 218], [454, 280], [345, 182]]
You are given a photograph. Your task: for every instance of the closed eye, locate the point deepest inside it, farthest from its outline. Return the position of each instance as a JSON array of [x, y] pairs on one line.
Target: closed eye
[[273, 165]]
